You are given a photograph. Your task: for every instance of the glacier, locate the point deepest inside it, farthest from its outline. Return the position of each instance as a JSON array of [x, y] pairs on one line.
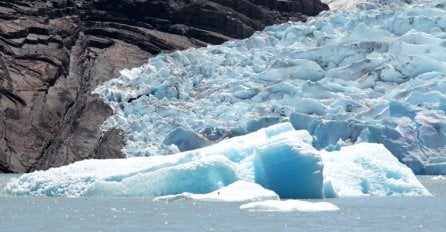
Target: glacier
[[375, 74], [277, 162]]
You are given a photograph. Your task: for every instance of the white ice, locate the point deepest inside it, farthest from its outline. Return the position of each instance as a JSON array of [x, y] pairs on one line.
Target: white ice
[[438, 178], [289, 206], [367, 169]]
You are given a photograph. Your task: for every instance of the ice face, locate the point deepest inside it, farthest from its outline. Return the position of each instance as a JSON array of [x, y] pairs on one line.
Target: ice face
[[277, 158], [371, 74], [279, 166]]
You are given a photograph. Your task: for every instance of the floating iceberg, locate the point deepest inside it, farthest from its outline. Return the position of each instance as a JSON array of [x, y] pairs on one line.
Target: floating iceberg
[[367, 169], [289, 206], [277, 158], [438, 178], [375, 74]]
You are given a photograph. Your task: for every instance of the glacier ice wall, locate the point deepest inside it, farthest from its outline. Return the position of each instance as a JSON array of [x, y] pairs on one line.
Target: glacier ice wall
[[277, 158], [372, 74]]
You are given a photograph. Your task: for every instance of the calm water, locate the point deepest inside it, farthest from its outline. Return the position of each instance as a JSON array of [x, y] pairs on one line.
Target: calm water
[[141, 214]]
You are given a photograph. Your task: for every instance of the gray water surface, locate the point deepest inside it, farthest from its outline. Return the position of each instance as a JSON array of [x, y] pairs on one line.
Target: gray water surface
[[142, 214]]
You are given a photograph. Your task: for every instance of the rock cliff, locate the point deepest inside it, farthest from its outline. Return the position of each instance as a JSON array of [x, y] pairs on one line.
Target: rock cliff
[[54, 53]]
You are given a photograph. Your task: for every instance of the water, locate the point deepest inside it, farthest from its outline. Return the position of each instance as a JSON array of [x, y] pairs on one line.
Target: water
[[142, 214]]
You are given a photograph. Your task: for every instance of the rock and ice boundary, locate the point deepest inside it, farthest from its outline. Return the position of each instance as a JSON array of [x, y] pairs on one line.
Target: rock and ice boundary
[[272, 163], [373, 74]]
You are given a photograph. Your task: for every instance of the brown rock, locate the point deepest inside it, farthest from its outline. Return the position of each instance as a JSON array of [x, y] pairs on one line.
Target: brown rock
[[53, 53]]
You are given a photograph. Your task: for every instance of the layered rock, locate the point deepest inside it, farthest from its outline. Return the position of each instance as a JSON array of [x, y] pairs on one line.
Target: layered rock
[[54, 53]]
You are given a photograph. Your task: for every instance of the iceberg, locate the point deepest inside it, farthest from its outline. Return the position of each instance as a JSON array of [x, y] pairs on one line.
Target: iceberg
[[438, 178], [289, 206], [367, 169], [375, 73], [274, 162]]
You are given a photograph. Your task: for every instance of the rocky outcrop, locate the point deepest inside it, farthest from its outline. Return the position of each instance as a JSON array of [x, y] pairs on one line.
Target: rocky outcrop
[[54, 53]]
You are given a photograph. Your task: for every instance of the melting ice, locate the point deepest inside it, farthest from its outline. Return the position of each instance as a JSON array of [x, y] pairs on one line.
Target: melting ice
[[373, 74]]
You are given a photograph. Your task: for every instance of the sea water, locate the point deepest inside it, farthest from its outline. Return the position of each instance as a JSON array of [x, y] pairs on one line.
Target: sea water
[[143, 214]]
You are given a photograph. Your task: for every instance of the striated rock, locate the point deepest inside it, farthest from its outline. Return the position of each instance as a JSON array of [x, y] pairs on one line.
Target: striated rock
[[54, 53]]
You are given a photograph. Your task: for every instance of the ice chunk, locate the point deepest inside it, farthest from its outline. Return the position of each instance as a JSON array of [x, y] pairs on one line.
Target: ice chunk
[[238, 191], [368, 169], [418, 141], [399, 136], [439, 177], [280, 167], [289, 206]]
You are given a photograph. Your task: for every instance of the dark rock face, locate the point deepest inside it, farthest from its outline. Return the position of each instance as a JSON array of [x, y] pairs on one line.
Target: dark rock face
[[53, 53]]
